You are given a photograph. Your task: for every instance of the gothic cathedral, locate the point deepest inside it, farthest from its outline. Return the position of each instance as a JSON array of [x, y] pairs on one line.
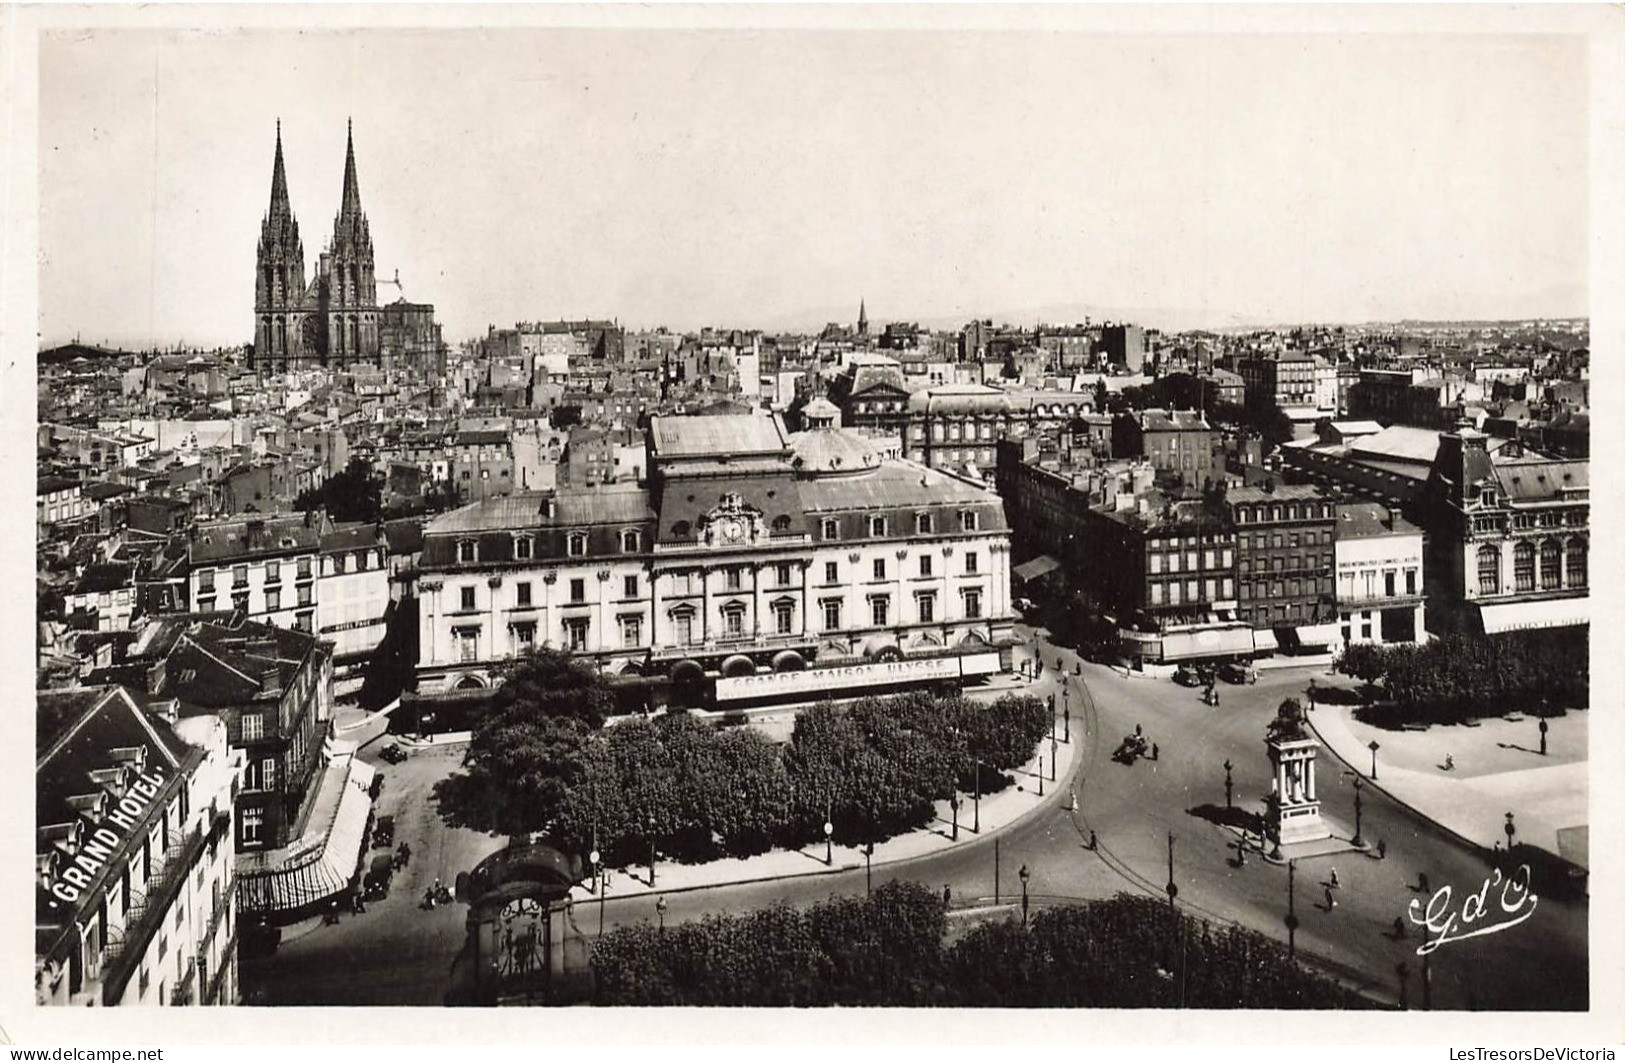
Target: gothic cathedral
[[333, 321]]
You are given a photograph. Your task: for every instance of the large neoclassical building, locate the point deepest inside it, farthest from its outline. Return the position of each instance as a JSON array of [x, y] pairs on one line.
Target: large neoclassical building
[[747, 551]]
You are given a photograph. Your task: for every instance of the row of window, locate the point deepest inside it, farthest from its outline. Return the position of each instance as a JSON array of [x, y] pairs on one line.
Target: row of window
[[1187, 561], [1295, 563], [1368, 583], [1191, 592], [273, 601], [733, 580], [273, 571], [1559, 566], [733, 623], [1247, 514], [1279, 540], [1285, 588], [880, 526]]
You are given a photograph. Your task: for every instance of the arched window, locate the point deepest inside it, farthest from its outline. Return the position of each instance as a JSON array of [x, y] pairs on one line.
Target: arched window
[[1523, 567], [680, 530], [1489, 570], [1577, 562], [781, 524], [1551, 565]]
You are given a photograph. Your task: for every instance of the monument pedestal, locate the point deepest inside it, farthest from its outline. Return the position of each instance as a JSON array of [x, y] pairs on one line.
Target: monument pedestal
[[1294, 804]]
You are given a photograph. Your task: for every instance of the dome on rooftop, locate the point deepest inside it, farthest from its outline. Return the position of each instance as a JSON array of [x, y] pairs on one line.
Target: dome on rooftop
[[833, 452]]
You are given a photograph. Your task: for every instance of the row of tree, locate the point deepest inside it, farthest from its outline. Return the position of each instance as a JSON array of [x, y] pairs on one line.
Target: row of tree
[[543, 761], [1462, 677], [892, 949]]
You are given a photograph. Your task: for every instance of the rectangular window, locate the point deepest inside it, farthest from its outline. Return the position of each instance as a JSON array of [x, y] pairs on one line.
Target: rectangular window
[[303, 622], [521, 548], [522, 594], [576, 632], [273, 599], [922, 523], [273, 572], [268, 773], [877, 527], [832, 615], [733, 623], [731, 579], [239, 576], [304, 596], [880, 568], [879, 610], [830, 528], [925, 564], [205, 581], [302, 568], [524, 637], [253, 726], [684, 623], [578, 590], [631, 632], [784, 618], [1410, 581], [629, 587], [970, 563], [467, 598], [926, 604], [577, 544], [971, 520], [832, 572], [973, 605], [338, 564], [1388, 581], [784, 574], [253, 826]]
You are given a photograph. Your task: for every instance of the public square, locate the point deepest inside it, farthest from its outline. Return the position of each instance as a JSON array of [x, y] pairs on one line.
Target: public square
[[399, 953]]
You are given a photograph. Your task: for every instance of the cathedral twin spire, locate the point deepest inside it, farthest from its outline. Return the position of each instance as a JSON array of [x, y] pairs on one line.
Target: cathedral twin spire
[[281, 228]]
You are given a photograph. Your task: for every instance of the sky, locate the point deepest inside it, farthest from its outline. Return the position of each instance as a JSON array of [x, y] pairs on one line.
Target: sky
[[773, 178]]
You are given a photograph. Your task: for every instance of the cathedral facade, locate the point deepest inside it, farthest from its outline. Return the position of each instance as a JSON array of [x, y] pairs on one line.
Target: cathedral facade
[[334, 320]]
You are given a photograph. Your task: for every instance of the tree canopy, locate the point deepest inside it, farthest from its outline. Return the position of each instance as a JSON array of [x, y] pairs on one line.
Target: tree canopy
[[354, 494]]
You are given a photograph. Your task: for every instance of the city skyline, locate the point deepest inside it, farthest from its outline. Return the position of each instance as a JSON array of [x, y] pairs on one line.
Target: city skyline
[[1183, 181]]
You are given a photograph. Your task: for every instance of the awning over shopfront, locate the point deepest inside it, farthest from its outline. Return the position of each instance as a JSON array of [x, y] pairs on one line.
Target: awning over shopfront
[[1264, 641], [1234, 641], [1553, 612], [1042, 565], [1319, 635], [322, 861]]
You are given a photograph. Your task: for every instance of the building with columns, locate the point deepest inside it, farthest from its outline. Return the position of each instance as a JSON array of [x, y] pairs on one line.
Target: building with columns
[[1509, 536], [747, 550]]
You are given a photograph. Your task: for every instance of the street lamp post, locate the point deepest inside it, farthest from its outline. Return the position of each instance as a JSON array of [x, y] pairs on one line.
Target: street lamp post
[[953, 803], [598, 872], [1229, 786], [976, 824], [1023, 875], [1052, 756], [1512, 832], [995, 871], [1066, 700], [868, 881], [1543, 736], [651, 852], [1374, 746], [1359, 842], [1052, 718], [1292, 909], [829, 843], [660, 911]]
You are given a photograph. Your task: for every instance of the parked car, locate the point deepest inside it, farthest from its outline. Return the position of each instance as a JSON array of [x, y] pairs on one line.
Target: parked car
[[1236, 672], [383, 832], [376, 884], [1187, 676], [392, 753]]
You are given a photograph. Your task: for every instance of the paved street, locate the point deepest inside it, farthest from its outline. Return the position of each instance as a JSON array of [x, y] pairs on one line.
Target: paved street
[[398, 953]]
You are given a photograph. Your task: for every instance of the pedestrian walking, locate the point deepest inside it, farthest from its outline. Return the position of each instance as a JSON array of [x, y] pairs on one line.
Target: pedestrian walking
[[1335, 884], [1422, 881], [1093, 842], [1331, 901], [947, 896], [1155, 752], [1138, 730], [1449, 762], [1382, 849]]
